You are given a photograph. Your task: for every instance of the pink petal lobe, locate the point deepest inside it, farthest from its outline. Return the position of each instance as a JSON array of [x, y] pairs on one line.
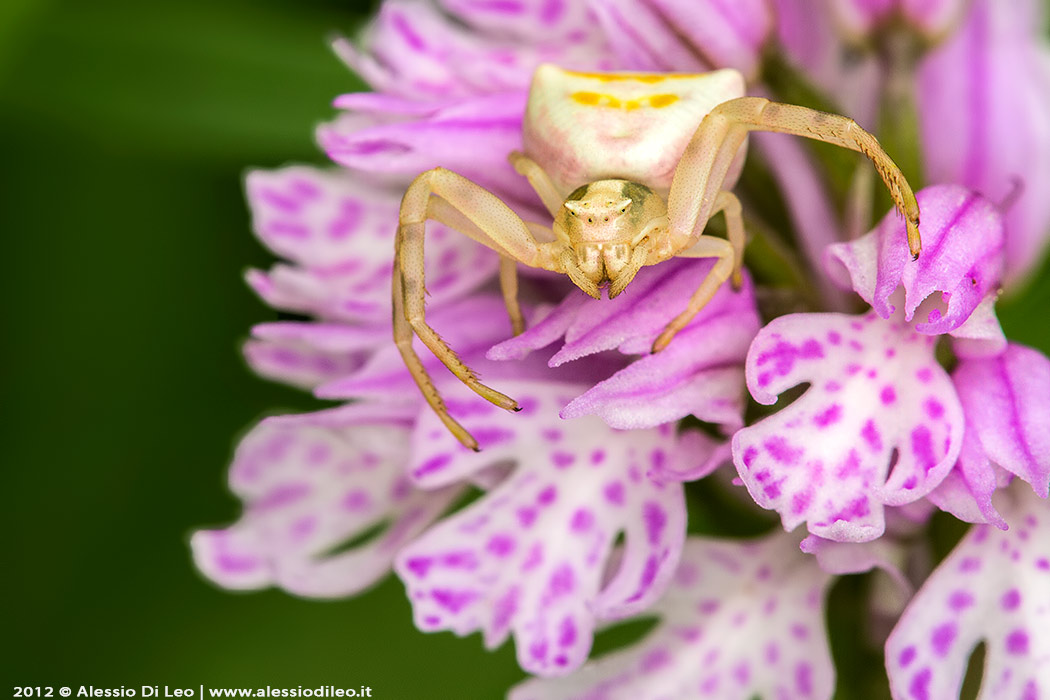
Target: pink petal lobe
[[995, 587], [530, 558], [879, 425], [962, 237], [309, 354], [698, 373], [309, 485], [1006, 402], [740, 620]]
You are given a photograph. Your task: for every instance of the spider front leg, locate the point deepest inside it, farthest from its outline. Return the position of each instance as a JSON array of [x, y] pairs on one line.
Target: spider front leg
[[730, 255], [479, 214]]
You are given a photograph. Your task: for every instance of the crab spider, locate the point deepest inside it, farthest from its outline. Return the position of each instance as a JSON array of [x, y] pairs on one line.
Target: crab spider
[[629, 179]]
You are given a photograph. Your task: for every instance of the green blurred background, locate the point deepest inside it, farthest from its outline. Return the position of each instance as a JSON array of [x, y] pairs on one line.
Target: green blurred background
[[126, 130]]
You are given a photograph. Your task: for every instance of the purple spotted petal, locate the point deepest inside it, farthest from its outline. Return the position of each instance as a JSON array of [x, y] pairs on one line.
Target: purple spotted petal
[[983, 97], [471, 137], [966, 491], [533, 21], [879, 425], [697, 374], [530, 558], [994, 587], [858, 557], [962, 238], [933, 18], [1005, 399], [676, 35], [340, 233], [739, 621], [308, 354], [308, 487], [414, 51]]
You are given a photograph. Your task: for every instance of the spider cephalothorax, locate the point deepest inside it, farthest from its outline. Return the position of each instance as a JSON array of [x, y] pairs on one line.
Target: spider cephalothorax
[[606, 227], [631, 167]]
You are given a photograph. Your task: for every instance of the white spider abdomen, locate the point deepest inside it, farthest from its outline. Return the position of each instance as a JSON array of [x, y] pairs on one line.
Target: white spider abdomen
[[583, 127]]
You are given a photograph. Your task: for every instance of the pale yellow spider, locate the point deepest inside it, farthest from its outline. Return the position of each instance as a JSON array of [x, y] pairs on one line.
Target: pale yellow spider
[[603, 151]]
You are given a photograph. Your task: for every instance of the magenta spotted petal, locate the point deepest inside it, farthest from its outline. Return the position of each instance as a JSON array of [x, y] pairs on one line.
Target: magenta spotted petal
[[1006, 401], [879, 425], [415, 51], [994, 587], [983, 97], [698, 373], [472, 137], [531, 558], [309, 486], [339, 232], [739, 621], [678, 35], [533, 21], [962, 239], [309, 354], [966, 492]]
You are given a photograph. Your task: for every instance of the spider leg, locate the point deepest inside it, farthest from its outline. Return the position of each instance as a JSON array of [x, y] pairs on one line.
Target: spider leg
[[508, 283], [728, 265], [759, 114], [539, 179], [481, 215]]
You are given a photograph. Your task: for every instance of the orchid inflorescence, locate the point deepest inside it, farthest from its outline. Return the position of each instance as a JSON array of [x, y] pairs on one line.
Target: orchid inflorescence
[[896, 392]]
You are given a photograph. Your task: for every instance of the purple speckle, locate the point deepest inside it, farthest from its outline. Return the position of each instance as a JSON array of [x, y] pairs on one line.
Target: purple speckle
[[779, 449], [453, 601], [547, 496], [1011, 599], [834, 337], [924, 375], [434, 464], [888, 395], [654, 660], [800, 501], [871, 436], [562, 581], [742, 673], [551, 434], [582, 520], [970, 564], [960, 600], [504, 609], [500, 545], [934, 408], [1017, 642], [907, 656], [942, 638], [614, 493], [749, 455], [567, 632], [655, 519], [357, 500], [538, 650], [772, 653], [597, 457], [561, 460], [922, 446], [526, 516], [829, 416], [1043, 564], [920, 685], [232, 564], [804, 678]]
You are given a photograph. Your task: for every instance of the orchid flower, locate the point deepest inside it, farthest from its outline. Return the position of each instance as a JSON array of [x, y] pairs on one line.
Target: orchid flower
[[842, 384]]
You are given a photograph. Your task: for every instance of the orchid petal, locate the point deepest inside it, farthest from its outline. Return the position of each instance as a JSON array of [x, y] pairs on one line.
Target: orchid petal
[[995, 586], [739, 621], [341, 231], [1005, 400], [413, 50], [309, 354], [966, 491], [308, 488], [962, 236], [530, 557], [828, 458], [530, 20], [983, 97], [697, 373]]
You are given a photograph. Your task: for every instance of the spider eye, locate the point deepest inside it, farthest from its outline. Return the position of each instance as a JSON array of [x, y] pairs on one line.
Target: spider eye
[[590, 220], [623, 210], [607, 218]]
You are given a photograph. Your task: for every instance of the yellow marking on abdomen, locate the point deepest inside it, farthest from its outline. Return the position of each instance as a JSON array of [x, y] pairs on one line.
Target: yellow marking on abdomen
[[598, 99]]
